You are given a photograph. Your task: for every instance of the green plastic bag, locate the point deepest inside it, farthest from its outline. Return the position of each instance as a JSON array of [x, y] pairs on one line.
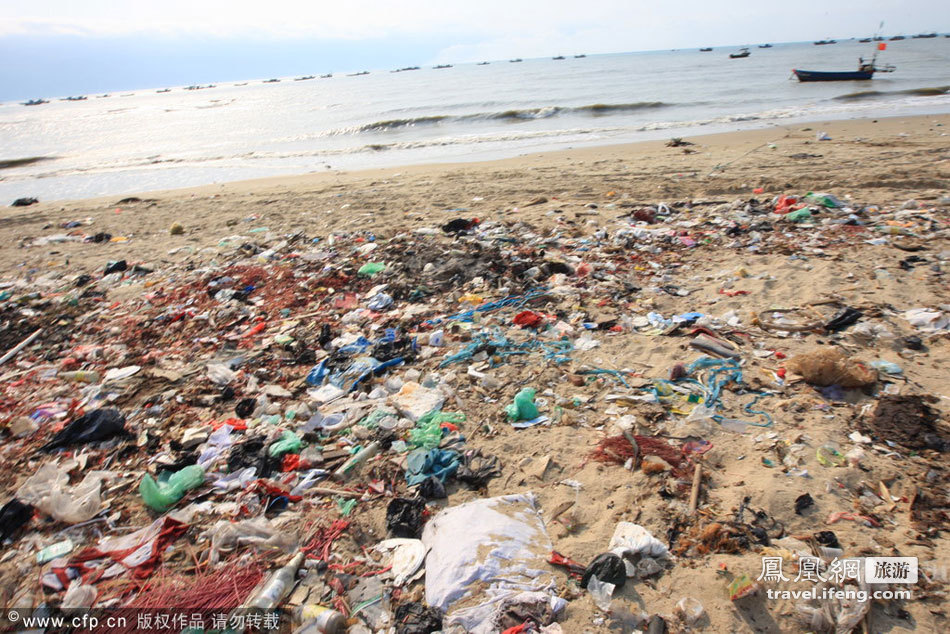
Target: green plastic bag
[[371, 268], [523, 408], [428, 430], [164, 494], [288, 443], [799, 215]]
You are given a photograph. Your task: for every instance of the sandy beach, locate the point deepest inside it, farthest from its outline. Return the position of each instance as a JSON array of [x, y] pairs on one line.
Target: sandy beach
[[566, 197]]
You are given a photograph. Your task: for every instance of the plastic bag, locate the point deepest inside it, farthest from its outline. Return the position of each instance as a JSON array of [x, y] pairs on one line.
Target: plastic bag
[[287, 443], [829, 366], [49, 491], [258, 532], [414, 401], [171, 487], [100, 424], [523, 407], [485, 555], [404, 517]]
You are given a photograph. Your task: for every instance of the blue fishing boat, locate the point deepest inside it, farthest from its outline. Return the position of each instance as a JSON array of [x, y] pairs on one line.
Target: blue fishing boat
[[866, 70], [847, 75]]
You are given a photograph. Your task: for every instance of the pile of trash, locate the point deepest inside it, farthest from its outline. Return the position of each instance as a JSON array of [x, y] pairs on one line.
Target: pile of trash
[[354, 432]]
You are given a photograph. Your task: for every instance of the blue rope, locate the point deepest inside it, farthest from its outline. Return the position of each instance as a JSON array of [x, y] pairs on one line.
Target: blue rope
[[515, 301]]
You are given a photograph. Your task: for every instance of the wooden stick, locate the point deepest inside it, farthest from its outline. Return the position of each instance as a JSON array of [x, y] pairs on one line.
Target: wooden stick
[[328, 491], [694, 492], [20, 346]]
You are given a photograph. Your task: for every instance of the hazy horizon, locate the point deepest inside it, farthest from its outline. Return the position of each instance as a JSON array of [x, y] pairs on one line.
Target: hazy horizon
[[106, 46]]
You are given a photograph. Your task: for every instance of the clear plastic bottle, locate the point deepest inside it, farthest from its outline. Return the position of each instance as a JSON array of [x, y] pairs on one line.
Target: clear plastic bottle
[[272, 592]]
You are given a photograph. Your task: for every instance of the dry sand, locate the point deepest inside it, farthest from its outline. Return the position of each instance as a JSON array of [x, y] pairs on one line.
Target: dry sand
[[883, 162]]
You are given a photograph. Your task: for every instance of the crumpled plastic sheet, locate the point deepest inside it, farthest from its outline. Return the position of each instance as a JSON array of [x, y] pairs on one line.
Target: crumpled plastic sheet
[[48, 490], [258, 532], [484, 555]]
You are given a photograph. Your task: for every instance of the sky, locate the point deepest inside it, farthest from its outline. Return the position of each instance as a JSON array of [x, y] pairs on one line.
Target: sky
[[62, 47]]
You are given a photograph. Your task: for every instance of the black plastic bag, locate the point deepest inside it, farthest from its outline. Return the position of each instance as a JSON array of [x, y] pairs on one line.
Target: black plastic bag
[[476, 469], [245, 408], [100, 424], [13, 516], [608, 568], [843, 319], [115, 267], [432, 489], [404, 517]]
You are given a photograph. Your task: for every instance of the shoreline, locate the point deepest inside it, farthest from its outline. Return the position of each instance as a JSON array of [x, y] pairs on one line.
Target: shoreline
[[718, 141], [716, 138]]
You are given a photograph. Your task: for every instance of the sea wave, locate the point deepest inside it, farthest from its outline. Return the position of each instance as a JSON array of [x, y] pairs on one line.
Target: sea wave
[[924, 91], [513, 114]]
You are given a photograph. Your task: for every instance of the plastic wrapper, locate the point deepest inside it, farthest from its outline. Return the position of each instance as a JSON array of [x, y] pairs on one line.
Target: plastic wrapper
[[484, 555], [49, 491], [257, 532], [829, 366]]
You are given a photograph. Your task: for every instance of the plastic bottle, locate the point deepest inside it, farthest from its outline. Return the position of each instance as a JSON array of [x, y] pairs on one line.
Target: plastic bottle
[[317, 619], [170, 488], [272, 592], [361, 456]]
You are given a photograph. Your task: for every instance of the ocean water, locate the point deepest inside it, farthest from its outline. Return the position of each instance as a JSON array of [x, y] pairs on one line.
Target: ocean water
[[134, 142]]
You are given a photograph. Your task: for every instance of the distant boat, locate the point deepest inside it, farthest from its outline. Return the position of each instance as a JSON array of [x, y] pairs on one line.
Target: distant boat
[[743, 52], [241, 84], [823, 42], [271, 81], [103, 96], [897, 38], [483, 63], [402, 70], [34, 102], [705, 50], [440, 66], [579, 56], [304, 78], [362, 72], [164, 90], [327, 76], [865, 40], [516, 60], [765, 46], [924, 36], [79, 98], [558, 57]]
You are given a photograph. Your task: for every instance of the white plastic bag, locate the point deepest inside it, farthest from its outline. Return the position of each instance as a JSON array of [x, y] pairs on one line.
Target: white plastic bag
[[484, 554], [48, 490]]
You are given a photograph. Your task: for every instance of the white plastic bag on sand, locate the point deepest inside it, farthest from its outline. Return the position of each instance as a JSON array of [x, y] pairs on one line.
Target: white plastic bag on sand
[[632, 538], [484, 555], [927, 320], [48, 490]]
